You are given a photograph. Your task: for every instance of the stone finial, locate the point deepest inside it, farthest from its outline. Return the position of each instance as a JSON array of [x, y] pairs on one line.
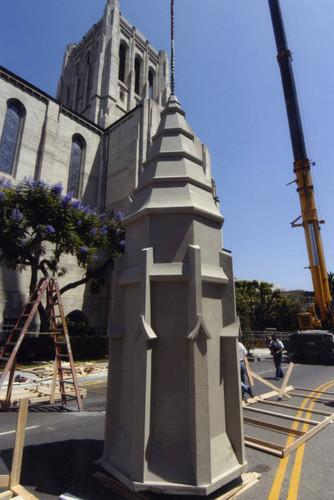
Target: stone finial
[[113, 4], [111, 8]]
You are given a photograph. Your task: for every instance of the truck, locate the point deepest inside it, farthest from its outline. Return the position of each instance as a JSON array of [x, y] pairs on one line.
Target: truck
[[320, 316]]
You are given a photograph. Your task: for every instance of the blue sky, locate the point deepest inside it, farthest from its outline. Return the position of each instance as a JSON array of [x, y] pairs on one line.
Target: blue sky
[[228, 83]]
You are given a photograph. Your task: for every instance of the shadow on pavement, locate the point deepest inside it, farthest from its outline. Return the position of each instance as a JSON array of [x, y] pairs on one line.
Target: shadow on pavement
[[49, 470]]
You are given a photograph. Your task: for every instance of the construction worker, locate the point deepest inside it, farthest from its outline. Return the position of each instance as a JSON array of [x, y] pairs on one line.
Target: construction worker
[[244, 388], [276, 348]]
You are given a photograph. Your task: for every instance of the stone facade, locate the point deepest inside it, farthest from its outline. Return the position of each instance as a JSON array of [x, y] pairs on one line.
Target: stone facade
[[110, 95]]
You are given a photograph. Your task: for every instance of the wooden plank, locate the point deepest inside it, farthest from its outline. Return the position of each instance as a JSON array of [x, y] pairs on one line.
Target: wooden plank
[[318, 398], [6, 404], [307, 436], [293, 407], [118, 487], [249, 483], [313, 390], [283, 415], [19, 443], [272, 394], [6, 495], [41, 396], [259, 444], [272, 386], [249, 372], [22, 492], [286, 379], [274, 427], [53, 383], [248, 480], [4, 481]]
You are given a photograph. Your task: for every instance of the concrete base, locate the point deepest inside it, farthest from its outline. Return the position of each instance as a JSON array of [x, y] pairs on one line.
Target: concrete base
[[174, 488]]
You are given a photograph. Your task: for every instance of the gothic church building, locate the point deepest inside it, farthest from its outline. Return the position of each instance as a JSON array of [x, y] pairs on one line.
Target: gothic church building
[[94, 137]]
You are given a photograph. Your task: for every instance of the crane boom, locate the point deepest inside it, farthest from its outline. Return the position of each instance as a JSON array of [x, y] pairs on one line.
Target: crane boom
[[322, 315]]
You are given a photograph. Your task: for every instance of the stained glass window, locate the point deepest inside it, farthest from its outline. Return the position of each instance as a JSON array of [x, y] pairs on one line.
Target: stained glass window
[[75, 166], [9, 138]]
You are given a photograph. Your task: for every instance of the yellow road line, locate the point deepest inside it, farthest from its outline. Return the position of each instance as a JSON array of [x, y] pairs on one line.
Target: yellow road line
[[297, 467], [96, 392], [278, 481]]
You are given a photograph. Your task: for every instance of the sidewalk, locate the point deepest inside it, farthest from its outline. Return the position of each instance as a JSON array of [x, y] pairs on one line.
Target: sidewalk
[[263, 354], [259, 354]]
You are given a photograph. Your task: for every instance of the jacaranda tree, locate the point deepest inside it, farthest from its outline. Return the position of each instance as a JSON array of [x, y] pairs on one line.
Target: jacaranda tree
[[39, 226]]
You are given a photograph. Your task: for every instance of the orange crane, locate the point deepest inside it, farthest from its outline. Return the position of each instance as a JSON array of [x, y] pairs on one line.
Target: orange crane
[[321, 313]]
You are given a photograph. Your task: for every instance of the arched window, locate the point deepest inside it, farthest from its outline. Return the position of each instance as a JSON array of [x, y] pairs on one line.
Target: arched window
[[122, 58], [137, 74], [76, 163], [151, 83], [10, 138]]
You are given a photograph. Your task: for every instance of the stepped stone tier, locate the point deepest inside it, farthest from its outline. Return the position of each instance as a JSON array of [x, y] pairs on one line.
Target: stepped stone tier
[[174, 414]]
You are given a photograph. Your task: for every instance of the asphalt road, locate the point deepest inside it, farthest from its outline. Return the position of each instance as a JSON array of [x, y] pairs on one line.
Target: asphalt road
[[62, 447]]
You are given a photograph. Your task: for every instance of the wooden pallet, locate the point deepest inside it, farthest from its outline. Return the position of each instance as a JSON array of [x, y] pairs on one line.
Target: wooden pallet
[[38, 394], [302, 436], [248, 479]]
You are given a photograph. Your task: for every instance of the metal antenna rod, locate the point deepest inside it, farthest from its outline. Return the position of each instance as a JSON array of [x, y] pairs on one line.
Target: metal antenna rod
[[172, 77]]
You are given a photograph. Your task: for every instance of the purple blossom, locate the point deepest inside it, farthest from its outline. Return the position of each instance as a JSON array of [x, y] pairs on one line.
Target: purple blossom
[[2, 181], [119, 215], [77, 204], [93, 231], [24, 240], [16, 214], [79, 223], [87, 210], [67, 198], [2, 195], [57, 188], [40, 182], [94, 257], [122, 243], [49, 229], [30, 183], [102, 216], [118, 230], [104, 229], [84, 249]]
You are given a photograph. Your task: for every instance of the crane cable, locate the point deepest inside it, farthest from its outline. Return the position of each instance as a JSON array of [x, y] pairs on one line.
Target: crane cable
[[172, 77]]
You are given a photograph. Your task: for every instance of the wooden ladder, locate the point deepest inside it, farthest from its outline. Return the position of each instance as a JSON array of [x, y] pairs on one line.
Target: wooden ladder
[[59, 331]]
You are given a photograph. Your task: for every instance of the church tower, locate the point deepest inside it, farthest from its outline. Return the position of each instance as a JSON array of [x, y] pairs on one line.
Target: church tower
[[112, 70]]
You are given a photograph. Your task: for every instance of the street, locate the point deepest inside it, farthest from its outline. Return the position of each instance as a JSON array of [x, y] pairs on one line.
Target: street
[[63, 446]]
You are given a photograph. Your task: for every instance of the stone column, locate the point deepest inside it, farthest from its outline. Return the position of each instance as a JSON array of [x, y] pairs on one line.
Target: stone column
[[174, 415]]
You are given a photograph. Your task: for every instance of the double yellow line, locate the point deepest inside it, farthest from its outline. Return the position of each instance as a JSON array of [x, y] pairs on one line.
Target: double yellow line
[[297, 467]]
